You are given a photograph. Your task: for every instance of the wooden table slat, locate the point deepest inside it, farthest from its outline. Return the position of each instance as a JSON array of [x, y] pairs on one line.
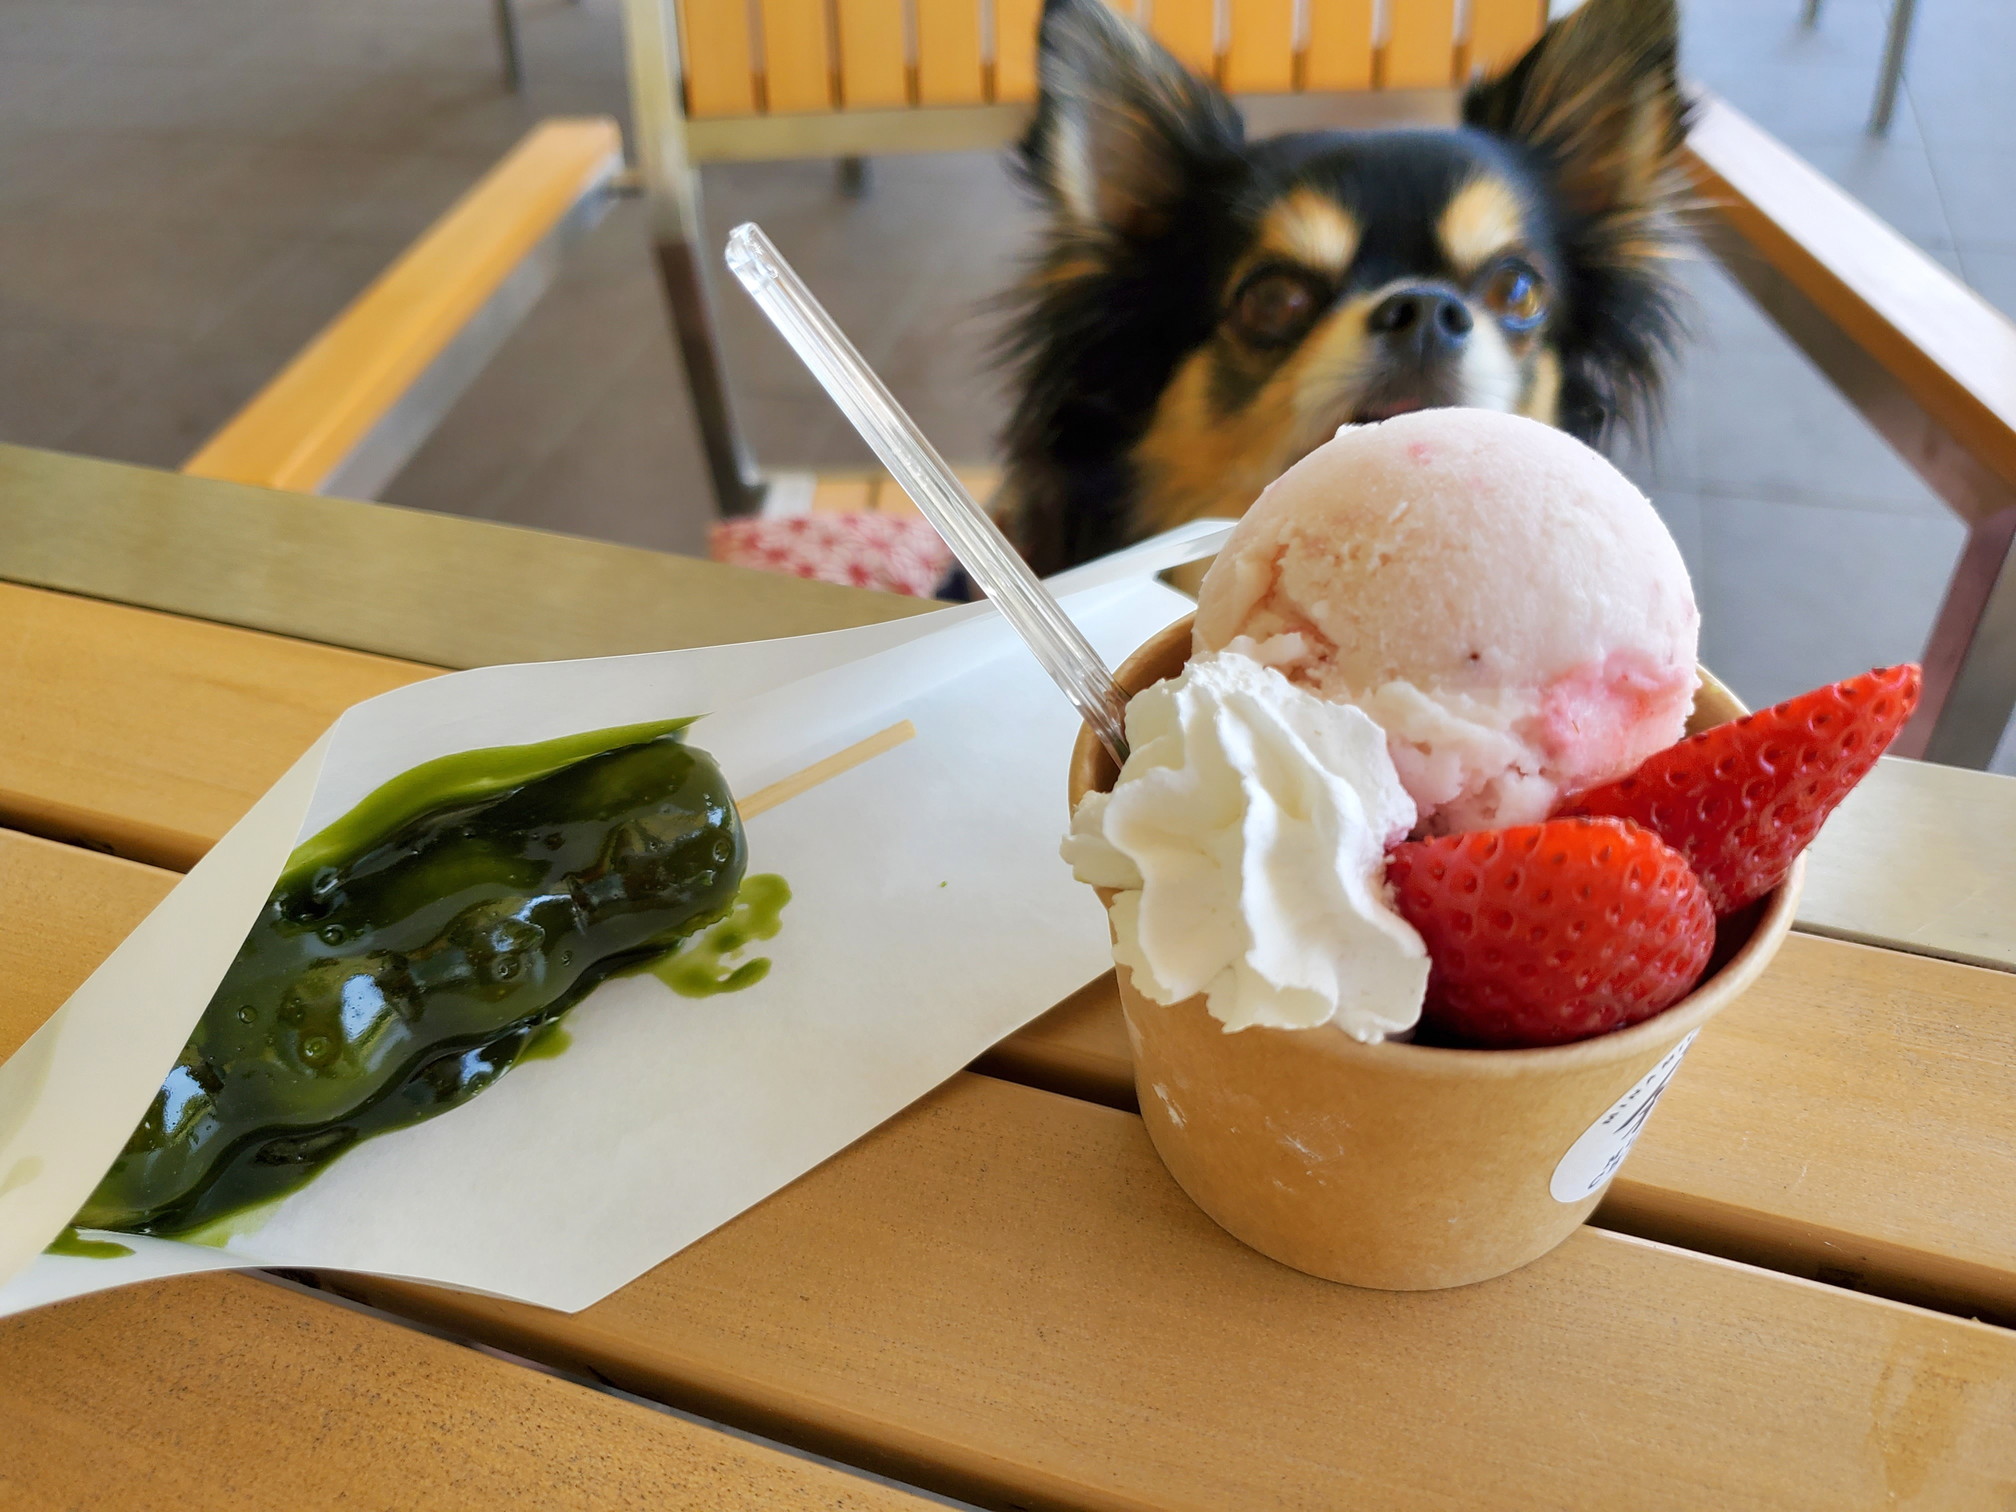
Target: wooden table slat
[[1852, 1118], [1920, 858], [230, 1394], [1001, 1295], [427, 587], [151, 733]]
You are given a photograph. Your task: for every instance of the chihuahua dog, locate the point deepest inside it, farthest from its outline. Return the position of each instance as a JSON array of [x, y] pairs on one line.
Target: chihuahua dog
[[1204, 310]]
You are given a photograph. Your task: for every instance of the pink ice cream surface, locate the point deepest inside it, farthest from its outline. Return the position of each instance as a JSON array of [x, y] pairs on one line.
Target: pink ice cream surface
[[1494, 593]]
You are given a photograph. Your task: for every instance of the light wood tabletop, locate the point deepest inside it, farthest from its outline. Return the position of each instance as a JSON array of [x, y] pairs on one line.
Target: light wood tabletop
[[999, 1295], [228, 1392]]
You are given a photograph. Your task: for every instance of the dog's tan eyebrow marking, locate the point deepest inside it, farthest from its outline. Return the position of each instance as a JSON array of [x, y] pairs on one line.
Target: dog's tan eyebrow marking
[[1311, 229], [1483, 220]]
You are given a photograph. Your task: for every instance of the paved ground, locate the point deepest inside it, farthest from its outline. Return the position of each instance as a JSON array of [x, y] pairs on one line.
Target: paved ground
[[191, 187]]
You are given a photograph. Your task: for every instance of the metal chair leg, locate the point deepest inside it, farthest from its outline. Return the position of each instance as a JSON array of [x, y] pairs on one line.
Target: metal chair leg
[[508, 44], [737, 490], [853, 177], [672, 195], [1970, 664], [1894, 47]]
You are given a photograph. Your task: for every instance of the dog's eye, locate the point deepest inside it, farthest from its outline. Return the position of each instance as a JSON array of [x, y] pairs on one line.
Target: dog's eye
[[1275, 306], [1516, 295]]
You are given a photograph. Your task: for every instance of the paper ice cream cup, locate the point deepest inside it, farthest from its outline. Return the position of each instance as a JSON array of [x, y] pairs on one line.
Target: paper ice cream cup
[[1400, 1166]]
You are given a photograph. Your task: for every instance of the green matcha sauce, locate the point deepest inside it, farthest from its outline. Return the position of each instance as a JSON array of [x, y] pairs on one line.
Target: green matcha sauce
[[548, 1043], [74, 1244], [700, 966], [465, 777], [426, 942]]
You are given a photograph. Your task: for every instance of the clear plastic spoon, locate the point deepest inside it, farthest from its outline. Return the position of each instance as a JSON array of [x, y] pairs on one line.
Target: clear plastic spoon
[[914, 462]]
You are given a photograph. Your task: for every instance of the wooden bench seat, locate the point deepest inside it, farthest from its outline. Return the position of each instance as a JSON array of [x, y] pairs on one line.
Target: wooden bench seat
[[355, 403]]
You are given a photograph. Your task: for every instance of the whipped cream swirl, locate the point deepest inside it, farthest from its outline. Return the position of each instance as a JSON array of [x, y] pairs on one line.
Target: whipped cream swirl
[[1246, 838]]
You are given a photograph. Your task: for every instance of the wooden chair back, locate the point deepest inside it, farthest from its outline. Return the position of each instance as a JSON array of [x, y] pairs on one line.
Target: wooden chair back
[[783, 57]]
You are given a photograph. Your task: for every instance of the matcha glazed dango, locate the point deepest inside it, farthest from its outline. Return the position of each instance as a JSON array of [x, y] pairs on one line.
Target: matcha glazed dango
[[395, 980]]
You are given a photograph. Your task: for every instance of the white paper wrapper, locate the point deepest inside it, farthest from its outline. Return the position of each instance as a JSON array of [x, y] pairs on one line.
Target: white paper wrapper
[[930, 917]]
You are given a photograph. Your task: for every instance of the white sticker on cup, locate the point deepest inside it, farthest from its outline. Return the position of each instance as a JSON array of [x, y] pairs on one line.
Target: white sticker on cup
[[1593, 1159]]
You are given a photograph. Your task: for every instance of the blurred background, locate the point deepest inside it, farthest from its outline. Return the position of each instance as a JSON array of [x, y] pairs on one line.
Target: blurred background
[[192, 189]]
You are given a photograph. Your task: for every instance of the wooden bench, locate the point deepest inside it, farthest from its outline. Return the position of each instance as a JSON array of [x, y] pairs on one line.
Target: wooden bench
[[355, 404]]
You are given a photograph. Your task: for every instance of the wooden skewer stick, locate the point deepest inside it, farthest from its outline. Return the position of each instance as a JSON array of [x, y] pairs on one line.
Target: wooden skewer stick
[[825, 769]]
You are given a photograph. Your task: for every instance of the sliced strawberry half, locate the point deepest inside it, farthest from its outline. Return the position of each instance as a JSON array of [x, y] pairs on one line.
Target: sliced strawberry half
[[1742, 800], [1551, 932]]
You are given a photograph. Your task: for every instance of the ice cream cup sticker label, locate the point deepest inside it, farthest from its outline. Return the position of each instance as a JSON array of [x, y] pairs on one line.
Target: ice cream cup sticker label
[[1593, 1159]]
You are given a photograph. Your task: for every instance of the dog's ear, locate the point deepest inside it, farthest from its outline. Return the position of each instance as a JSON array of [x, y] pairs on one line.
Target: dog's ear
[[1122, 131], [1599, 97]]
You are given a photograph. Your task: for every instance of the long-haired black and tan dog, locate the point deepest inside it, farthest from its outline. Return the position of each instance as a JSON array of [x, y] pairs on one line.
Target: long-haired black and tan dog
[[1204, 310]]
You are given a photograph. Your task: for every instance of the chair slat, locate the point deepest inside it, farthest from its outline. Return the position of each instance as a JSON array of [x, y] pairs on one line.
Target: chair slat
[[844, 494], [1015, 23], [1189, 29], [948, 53], [1420, 44], [873, 71], [1260, 55], [1339, 51], [1500, 30], [797, 56], [720, 63]]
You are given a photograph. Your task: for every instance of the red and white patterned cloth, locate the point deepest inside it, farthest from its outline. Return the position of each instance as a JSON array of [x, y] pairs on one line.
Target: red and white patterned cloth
[[896, 553]]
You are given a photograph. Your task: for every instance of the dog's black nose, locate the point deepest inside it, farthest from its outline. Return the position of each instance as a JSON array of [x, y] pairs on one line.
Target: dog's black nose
[[1427, 320]]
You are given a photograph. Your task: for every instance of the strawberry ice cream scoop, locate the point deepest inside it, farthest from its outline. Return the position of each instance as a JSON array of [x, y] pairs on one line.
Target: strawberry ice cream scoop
[[1494, 594]]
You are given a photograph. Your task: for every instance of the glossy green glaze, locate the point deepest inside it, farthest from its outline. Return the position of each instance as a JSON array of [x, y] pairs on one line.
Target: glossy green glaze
[[700, 967], [410, 955], [74, 1244], [549, 1043]]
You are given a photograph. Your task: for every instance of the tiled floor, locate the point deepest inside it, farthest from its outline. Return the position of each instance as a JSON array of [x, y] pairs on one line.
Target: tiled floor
[[189, 188]]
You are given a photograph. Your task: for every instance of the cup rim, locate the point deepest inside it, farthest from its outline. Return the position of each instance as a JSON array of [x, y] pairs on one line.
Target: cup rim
[[1093, 768]]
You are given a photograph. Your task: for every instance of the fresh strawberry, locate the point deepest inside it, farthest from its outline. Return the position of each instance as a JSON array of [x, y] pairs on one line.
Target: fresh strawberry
[[1551, 932], [1742, 800]]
